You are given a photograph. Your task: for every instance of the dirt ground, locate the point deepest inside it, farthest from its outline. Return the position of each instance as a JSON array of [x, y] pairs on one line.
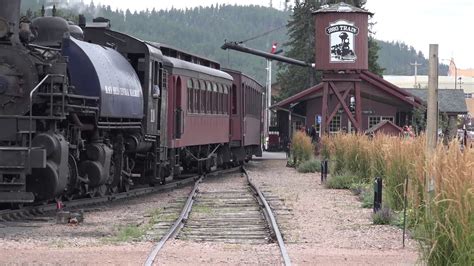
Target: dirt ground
[[326, 227]]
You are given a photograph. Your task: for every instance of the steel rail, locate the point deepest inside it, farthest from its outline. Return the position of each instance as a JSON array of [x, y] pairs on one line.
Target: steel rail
[[6, 215], [179, 223], [272, 221]]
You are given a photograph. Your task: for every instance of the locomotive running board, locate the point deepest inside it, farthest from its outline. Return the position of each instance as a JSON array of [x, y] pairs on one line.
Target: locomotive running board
[[16, 197]]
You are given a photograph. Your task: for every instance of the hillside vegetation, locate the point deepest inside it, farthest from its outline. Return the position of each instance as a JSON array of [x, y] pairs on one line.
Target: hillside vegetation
[[203, 30]]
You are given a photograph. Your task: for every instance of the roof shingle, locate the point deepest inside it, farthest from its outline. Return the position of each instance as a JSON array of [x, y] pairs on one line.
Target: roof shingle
[[450, 101]]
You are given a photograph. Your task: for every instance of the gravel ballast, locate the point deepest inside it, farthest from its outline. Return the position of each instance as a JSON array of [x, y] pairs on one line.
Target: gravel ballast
[[320, 226]]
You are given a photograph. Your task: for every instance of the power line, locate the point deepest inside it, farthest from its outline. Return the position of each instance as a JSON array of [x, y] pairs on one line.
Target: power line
[[263, 34]]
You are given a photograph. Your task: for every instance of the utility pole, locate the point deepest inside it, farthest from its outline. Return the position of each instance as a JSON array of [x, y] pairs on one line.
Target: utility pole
[[267, 104], [432, 115], [455, 73], [268, 99], [269, 91], [416, 71]]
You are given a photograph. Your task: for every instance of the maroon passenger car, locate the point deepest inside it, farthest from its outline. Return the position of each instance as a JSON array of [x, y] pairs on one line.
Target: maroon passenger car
[[245, 115], [214, 116]]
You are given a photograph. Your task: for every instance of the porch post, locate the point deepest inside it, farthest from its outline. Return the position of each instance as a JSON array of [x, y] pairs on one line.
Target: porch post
[[324, 111], [358, 109]]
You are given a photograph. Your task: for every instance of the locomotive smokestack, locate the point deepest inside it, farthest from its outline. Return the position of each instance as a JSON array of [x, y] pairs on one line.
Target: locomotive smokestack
[[82, 21], [9, 19]]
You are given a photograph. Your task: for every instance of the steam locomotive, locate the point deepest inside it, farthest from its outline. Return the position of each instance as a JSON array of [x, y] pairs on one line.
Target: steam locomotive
[[88, 111]]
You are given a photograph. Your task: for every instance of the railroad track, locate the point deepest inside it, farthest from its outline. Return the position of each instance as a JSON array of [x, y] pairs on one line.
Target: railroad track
[[237, 215], [30, 212]]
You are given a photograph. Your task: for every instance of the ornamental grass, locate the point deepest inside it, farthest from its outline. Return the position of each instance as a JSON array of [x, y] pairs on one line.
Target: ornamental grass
[[441, 214], [301, 148]]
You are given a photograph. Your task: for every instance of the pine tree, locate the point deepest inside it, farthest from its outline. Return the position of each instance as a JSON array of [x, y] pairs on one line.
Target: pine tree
[[301, 46], [374, 48]]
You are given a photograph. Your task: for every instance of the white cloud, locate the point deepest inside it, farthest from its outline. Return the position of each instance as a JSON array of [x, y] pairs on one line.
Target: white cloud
[[422, 22]]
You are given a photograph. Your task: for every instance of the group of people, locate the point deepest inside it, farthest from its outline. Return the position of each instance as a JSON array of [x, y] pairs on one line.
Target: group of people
[[408, 131], [311, 132]]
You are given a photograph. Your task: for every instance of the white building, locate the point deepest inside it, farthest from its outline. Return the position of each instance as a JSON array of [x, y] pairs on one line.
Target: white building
[[444, 82]]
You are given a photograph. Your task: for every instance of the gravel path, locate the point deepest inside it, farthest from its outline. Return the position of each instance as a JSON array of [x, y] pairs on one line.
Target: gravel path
[[329, 226], [325, 227]]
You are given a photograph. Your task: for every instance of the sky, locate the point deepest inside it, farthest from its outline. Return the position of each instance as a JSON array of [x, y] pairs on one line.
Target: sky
[[417, 23]]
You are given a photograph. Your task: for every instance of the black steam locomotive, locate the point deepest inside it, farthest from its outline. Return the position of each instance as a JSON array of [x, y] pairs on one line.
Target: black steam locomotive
[[86, 111]]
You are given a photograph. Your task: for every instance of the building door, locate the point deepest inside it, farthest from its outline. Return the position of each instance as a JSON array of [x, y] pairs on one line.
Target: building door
[[178, 109]]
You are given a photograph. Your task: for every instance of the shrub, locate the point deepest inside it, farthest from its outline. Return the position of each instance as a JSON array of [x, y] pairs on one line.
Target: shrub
[[301, 147], [357, 188], [311, 166], [340, 181], [382, 216], [367, 198]]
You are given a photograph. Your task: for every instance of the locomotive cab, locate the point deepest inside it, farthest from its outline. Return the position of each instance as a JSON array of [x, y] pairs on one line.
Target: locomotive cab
[[153, 71]]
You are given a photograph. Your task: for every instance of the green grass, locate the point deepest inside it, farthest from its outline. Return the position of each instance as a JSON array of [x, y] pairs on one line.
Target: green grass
[[367, 198], [129, 233], [202, 209], [383, 216], [311, 166], [341, 181], [134, 232]]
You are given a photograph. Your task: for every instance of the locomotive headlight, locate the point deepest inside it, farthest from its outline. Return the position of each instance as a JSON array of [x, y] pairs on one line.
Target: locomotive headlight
[[3, 85], [4, 29]]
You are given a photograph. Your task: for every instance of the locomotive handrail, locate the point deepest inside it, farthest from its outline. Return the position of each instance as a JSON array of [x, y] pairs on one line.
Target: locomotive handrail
[[30, 125]]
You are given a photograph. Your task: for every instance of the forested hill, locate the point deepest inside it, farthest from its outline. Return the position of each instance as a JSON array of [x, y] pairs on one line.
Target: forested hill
[[203, 30], [396, 58]]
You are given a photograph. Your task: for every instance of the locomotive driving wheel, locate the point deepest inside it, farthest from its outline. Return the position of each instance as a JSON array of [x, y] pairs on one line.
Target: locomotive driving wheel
[[112, 187], [72, 179], [100, 191]]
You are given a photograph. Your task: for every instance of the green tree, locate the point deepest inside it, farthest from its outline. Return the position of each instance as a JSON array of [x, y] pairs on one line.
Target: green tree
[[374, 65], [294, 79]]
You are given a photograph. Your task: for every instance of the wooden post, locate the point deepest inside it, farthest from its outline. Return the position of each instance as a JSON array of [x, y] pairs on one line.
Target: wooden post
[[344, 105], [358, 109], [324, 113], [432, 117], [289, 125], [432, 112]]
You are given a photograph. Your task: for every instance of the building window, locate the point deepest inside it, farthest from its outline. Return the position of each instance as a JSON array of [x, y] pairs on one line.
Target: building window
[[335, 124], [221, 99], [214, 98], [190, 96], [208, 97], [226, 99], [202, 92], [234, 100], [374, 120], [195, 96]]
